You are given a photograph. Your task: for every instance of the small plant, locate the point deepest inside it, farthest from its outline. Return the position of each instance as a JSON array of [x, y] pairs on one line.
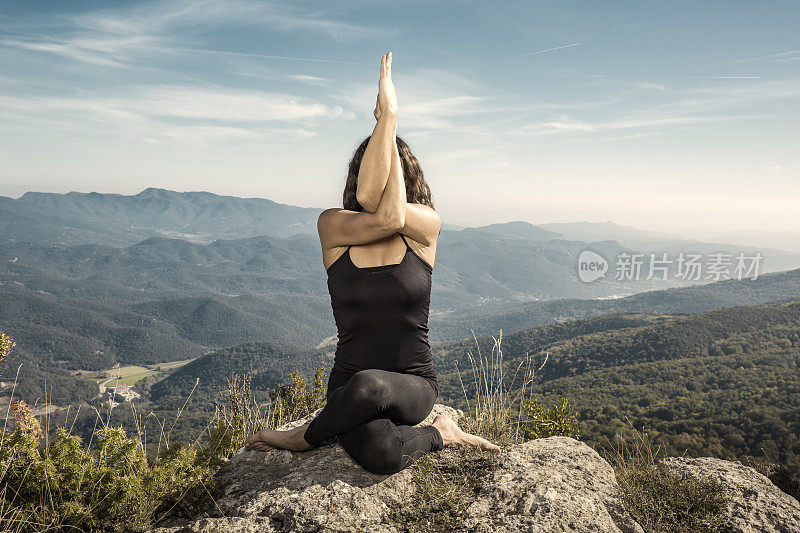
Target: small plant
[[6, 343], [54, 481], [110, 487], [659, 499], [543, 421]]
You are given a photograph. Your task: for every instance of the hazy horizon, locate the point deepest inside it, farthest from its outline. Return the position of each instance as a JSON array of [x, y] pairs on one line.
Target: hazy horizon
[[786, 240], [661, 117]]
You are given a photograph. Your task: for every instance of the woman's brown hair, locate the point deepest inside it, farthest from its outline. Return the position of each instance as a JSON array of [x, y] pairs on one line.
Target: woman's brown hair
[[417, 189]]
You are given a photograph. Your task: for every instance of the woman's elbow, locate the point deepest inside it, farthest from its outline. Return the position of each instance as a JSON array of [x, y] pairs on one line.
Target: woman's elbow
[[393, 221]]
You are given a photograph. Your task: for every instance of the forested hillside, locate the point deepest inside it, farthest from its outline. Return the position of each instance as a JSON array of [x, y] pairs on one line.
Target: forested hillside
[[724, 382], [268, 363]]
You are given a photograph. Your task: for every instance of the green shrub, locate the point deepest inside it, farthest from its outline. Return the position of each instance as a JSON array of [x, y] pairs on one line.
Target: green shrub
[[64, 485], [293, 400], [241, 416], [498, 395], [542, 421]]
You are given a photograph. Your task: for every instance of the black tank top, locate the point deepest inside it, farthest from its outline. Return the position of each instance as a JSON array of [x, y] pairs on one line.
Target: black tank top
[[381, 315]]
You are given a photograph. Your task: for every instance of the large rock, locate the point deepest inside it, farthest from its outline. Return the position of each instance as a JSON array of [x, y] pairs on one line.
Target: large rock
[[755, 504], [555, 484], [547, 485]]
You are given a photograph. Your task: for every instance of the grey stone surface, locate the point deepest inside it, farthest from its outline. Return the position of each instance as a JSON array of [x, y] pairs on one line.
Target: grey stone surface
[[547, 485]]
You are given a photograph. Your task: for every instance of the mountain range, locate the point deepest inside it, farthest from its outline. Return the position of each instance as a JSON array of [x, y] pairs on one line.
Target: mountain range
[[88, 281]]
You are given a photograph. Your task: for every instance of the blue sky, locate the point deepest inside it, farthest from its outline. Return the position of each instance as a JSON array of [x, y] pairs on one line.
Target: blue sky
[[675, 116]]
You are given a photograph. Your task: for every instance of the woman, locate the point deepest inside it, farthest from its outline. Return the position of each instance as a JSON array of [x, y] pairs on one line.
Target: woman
[[379, 253]]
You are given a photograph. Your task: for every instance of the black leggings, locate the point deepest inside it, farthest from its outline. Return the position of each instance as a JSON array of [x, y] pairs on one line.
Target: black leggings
[[373, 414]]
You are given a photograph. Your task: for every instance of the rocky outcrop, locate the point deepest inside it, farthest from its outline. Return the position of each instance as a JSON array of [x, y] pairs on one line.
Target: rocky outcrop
[[544, 485], [555, 484], [755, 505]]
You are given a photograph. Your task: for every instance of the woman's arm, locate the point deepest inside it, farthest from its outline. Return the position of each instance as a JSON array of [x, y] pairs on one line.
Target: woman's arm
[[374, 170], [376, 161], [340, 227]]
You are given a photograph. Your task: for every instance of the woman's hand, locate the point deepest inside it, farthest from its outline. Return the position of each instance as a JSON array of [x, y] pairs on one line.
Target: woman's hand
[[387, 98]]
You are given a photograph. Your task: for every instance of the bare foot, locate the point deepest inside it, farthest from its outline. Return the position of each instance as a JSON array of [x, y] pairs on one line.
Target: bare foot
[[270, 439], [452, 434]]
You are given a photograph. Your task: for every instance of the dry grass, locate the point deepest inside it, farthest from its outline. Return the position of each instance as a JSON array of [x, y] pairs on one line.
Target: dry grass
[[662, 500]]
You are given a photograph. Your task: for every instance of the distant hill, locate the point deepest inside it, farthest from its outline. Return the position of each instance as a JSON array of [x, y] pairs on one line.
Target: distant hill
[[72, 335], [490, 319], [641, 241], [120, 220], [604, 231], [520, 230], [38, 384], [721, 383]]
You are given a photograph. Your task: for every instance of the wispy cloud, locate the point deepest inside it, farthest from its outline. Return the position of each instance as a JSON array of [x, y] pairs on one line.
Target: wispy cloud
[[717, 98], [568, 125], [150, 35], [265, 56], [304, 78], [163, 15], [179, 112], [118, 36], [712, 77]]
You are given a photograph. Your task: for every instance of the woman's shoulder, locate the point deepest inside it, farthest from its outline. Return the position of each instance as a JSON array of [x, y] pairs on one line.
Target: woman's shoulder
[[325, 213]]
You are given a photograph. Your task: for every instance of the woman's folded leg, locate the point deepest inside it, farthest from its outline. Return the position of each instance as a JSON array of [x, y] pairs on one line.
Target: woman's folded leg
[[403, 398], [383, 447]]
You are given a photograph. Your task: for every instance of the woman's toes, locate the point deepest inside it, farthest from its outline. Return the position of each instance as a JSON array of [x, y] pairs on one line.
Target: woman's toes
[[261, 446], [490, 447], [452, 434]]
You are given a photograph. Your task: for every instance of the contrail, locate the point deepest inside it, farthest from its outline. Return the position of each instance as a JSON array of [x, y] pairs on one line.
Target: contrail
[[713, 77], [548, 50]]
